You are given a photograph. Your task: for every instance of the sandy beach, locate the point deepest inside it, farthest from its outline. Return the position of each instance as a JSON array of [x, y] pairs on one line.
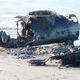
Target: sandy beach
[[12, 68]]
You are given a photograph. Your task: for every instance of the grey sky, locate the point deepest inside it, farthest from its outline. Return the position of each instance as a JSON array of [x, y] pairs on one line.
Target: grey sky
[[24, 6]]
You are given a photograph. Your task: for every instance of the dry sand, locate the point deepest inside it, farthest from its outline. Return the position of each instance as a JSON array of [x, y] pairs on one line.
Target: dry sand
[[18, 69]]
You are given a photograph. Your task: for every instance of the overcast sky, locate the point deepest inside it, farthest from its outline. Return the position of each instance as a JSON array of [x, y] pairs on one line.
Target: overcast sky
[[10, 8], [24, 6]]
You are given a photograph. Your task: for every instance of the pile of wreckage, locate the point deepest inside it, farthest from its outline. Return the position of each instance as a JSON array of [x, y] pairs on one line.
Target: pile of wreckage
[[42, 28]]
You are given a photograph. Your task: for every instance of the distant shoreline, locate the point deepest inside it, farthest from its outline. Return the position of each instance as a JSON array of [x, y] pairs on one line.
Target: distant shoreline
[[8, 28]]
